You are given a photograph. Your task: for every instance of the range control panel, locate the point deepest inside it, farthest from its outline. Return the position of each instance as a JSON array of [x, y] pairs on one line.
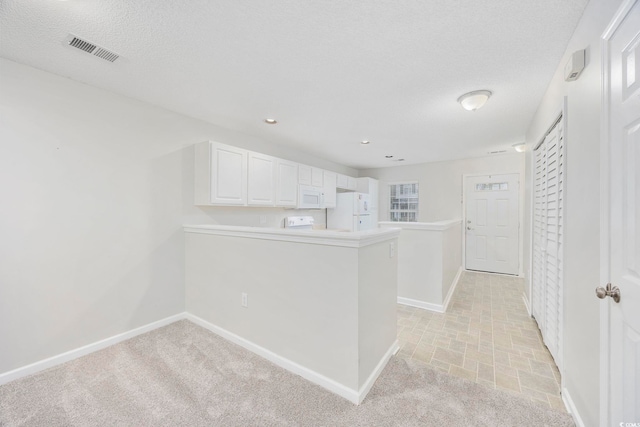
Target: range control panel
[[299, 222]]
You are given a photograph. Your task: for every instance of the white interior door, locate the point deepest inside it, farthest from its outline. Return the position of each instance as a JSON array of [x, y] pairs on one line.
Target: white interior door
[[492, 223], [621, 343]]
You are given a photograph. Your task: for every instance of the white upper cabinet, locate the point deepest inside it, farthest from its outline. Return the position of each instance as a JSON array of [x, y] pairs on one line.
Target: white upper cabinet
[[261, 187], [304, 175], [308, 175], [370, 187], [353, 184], [286, 183], [342, 181], [231, 176], [220, 174], [345, 182], [317, 177], [329, 181]]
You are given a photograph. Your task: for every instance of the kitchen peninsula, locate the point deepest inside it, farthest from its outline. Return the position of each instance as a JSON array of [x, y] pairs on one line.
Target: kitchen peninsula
[[319, 303]]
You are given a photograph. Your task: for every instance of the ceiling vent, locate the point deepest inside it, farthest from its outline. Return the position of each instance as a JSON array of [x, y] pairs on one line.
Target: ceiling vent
[[91, 48]]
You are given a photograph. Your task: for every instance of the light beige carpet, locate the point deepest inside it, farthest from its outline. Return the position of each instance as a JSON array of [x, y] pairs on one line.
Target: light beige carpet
[[184, 375]]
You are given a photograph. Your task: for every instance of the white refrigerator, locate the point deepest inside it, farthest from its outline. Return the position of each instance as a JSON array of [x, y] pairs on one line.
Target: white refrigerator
[[352, 213]]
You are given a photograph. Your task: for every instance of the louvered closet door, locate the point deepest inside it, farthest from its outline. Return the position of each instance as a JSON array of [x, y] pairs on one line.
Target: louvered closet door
[[539, 234], [548, 240]]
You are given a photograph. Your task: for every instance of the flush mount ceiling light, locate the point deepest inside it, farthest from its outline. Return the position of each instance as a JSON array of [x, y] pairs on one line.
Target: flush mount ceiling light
[[365, 142], [474, 100], [519, 147], [270, 121]]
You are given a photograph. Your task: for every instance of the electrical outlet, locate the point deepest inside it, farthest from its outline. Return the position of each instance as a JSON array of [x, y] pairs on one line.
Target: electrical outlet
[[245, 300], [263, 219], [392, 249]]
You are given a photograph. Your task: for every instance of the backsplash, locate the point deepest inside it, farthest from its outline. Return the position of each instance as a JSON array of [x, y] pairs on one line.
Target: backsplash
[[251, 216]]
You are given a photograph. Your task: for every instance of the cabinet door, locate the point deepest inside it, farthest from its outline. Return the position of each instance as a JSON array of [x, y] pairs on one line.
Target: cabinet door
[[373, 194], [316, 177], [286, 183], [342, 181], [369, 186], [352, 183], [261, 185], [304, 174], [363, 185], [228, 175], [329, 180]]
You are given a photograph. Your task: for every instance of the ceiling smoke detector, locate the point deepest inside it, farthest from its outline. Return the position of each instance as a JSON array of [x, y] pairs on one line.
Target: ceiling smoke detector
[[91, 48]]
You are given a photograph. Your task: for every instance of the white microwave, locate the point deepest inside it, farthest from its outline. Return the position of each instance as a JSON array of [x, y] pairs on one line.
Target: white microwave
[[310, 197]]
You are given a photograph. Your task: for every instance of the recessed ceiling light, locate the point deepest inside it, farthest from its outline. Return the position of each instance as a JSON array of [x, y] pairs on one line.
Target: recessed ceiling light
[[474, 100], [270, 121], [388, 157], [365, 142]]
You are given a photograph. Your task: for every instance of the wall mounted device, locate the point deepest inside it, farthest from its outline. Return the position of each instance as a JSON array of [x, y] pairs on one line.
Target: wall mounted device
[[574, 66]]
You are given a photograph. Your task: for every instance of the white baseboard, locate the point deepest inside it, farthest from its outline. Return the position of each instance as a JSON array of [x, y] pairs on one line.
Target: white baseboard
[[352, 395], [438, 308], [526, 304], [421, 304], [452, 289], [366, 387], [571, 408], [83, 351]]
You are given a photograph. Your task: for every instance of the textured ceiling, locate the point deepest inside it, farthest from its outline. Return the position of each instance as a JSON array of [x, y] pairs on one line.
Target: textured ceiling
[[332, 72]]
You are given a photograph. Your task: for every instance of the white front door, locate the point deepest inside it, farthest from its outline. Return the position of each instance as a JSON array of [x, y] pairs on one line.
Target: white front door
[[492, 223], [621, 260]]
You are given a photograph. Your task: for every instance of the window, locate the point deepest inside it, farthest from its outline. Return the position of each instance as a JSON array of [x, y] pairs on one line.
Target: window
[[493, 186], [403, 202]]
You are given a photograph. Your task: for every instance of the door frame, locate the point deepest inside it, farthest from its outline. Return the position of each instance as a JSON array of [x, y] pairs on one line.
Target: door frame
[[605, 198], [520, 217]]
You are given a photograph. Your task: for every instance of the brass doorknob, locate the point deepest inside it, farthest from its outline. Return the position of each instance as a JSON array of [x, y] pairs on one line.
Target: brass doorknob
[[609, 291]]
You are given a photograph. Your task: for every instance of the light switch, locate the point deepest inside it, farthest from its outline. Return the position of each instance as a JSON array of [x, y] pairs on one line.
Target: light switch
[[392, 249]]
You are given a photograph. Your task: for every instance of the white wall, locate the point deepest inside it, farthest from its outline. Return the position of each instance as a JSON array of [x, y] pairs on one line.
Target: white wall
[[582, 205], [440, 190], [95, 188], [377, 307], [420, 265], [452, 257], [429, 258]]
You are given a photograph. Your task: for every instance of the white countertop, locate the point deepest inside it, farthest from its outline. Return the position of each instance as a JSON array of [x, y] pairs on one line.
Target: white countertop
[[356, 239], [431, 226]]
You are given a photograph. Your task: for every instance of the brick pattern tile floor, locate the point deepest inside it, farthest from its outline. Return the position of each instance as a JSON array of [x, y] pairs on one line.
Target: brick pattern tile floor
[[485, 336]]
